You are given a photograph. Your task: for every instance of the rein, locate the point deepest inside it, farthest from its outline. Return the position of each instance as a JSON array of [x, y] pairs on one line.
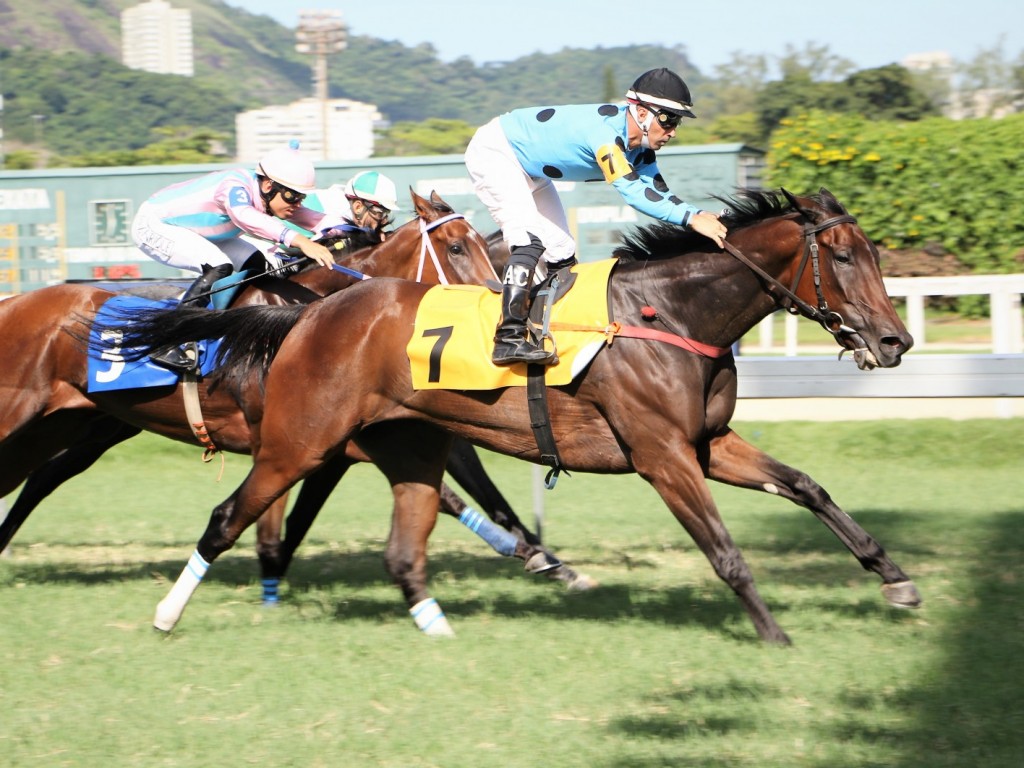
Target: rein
[[829, 320], [426, 246], [190, 391]]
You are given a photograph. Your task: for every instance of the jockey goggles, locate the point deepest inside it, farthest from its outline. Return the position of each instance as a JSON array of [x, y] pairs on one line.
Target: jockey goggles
[[667, 120], [290, 196], [378, 211]]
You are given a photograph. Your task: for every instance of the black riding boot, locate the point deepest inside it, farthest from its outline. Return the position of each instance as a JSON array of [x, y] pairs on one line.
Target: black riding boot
[[176, 358], [512, 343]]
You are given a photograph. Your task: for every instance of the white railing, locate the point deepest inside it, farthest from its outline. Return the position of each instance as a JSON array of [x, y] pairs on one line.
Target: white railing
[[1004, 292]]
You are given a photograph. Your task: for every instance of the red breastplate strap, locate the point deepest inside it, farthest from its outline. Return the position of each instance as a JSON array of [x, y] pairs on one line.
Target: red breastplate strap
[[691, 345]]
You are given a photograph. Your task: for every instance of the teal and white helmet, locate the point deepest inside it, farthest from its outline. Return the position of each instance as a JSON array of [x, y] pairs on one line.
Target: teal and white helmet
[[373, 187]]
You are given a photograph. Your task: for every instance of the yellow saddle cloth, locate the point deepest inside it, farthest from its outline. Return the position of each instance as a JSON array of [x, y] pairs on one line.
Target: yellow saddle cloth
[[454, 334]]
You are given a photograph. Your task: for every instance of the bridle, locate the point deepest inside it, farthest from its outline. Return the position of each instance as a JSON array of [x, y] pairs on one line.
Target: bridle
[[829, 319], [426, 246]]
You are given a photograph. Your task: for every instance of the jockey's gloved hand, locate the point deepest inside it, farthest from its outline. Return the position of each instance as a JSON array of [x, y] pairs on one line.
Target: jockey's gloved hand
[[338, 229]]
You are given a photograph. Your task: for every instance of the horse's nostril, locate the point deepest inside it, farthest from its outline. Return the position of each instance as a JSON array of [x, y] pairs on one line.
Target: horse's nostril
[[897, 344]]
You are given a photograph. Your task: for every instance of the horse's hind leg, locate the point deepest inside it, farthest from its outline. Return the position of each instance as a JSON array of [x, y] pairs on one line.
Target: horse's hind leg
[[732, 460], [270, 477], [101, 436], [268, 549], [412, 457], [276, 553]]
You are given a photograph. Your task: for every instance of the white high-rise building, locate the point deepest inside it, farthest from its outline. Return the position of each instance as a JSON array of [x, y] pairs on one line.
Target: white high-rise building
[[341, 131], [157, 38]]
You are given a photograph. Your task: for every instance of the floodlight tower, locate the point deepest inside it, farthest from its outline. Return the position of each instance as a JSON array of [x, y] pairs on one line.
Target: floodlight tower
[[321, 33]]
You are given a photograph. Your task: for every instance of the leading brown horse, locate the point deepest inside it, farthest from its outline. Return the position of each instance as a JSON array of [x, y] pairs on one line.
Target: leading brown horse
[[659, 407], [438, 246]]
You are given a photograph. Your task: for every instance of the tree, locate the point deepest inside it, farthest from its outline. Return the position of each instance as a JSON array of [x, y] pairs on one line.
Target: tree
[[987, 86], [884, 93], [431, 137], [611, 92], [815, 62]]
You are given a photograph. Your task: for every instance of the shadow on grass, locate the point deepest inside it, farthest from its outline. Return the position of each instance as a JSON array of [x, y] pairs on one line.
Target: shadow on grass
[[343, 584], [966, 710], [332, 581], [688, 721], [969, 709]]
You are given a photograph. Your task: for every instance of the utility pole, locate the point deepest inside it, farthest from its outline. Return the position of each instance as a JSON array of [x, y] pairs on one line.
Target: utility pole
[[321, 33]]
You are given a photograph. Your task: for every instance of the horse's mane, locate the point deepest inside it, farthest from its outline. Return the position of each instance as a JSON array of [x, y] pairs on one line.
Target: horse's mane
[[743, 208]]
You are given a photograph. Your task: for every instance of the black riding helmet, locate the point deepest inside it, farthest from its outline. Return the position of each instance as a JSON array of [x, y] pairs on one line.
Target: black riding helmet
[[663, 90]]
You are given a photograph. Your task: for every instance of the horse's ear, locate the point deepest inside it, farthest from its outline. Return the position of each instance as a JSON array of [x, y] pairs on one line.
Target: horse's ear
[[442, 206], [792, 198], [423, 207], [800, 205], [830, 200]]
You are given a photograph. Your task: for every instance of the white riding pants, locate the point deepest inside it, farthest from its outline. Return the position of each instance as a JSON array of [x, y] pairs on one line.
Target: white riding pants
[[519, 203], [182, 248]]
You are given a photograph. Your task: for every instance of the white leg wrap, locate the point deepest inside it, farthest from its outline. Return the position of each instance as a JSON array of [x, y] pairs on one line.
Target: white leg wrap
[[169, 610], [430, 618]]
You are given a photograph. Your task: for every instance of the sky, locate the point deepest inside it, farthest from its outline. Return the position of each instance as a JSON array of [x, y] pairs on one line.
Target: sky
[[870, 33]]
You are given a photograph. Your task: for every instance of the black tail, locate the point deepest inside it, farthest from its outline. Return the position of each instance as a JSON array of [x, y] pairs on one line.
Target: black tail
[[251, 336]]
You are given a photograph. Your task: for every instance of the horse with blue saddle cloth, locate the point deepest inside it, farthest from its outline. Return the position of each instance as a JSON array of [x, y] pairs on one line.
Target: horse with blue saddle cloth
[[66, 409]]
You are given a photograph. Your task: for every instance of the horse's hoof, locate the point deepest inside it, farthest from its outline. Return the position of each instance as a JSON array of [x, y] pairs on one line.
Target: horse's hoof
[[582, 583], [902, 594], [542, 562], [166, 618]]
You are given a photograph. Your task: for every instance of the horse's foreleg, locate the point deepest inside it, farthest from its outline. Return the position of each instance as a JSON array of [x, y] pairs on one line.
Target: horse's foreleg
[[686, 493], [733, 460], [102, 436], [503, 542], [465, 467]]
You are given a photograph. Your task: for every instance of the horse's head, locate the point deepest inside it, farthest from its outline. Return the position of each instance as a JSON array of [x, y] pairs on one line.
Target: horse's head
[[451, 250], [838, 279]]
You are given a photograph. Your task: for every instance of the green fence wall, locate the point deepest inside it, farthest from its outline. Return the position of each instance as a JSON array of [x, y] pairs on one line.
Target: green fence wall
[[61, 224]]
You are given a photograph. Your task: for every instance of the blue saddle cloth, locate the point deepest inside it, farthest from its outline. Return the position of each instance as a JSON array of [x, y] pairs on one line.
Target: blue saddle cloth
[[109, 371]]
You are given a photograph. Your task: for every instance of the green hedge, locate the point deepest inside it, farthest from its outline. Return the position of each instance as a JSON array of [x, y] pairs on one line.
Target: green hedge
[[951, 182]]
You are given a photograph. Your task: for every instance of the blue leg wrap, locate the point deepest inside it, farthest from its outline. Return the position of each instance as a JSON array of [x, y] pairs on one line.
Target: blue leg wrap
[[501, 541], [270, 595]]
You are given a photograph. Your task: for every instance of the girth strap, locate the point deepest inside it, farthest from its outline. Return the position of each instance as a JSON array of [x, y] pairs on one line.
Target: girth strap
[[194, 412], [536, 393], [537, 401]]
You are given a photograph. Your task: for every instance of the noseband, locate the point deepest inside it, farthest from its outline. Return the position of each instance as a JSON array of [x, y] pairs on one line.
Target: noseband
[[830, 320], [428, 247]]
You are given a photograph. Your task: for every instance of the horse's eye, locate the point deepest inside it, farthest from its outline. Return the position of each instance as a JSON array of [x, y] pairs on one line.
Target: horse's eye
[[455, 248], [843, 256]]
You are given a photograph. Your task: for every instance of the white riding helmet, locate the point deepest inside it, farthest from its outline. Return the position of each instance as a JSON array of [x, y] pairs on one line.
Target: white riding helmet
[[289, 168], [374, 188]]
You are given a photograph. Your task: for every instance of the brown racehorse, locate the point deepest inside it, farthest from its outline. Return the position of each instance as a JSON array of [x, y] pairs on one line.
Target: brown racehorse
[[437, 246], [656, 407]]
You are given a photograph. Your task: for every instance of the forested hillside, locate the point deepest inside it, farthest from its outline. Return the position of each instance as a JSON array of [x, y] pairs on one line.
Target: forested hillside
[[60, 61]]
